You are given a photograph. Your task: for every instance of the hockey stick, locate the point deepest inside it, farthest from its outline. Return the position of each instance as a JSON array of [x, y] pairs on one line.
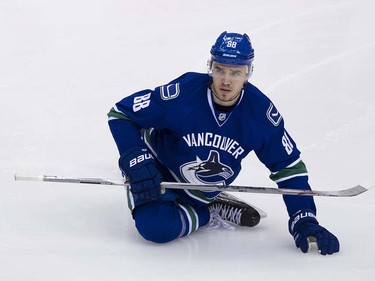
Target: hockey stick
[[354, 191]]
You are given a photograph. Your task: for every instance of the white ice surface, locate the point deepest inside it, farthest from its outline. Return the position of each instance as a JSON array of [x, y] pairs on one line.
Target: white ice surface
[[63, 64]]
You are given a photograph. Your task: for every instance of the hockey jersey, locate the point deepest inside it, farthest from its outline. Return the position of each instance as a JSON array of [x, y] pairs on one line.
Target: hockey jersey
[[195, 141]]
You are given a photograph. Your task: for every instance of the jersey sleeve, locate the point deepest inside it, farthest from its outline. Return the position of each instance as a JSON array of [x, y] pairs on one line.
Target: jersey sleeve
[[143, 110], [131, 115], [278, 151]]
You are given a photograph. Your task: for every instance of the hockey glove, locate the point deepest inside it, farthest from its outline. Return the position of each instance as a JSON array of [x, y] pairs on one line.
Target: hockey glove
[[144, 178], [303, 225]]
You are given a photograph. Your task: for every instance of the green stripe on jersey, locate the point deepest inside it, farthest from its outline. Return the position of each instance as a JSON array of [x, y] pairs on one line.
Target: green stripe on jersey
[[117, 115], [147, 136], [297, 170], [198, 195]]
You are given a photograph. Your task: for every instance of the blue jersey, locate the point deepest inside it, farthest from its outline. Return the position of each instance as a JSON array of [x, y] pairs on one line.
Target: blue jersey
[[196, 141]]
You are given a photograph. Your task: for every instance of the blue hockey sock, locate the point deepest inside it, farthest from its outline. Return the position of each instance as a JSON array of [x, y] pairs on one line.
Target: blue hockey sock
[[164, 221]]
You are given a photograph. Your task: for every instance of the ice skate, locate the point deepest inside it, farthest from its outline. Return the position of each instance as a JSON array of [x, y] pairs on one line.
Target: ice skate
[[235, 211]]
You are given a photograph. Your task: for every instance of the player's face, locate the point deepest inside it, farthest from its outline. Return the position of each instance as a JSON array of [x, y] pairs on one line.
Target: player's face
[[228, 81]]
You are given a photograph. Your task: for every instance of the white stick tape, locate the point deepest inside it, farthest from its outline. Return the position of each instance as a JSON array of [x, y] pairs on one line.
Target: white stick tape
[[21, 177]]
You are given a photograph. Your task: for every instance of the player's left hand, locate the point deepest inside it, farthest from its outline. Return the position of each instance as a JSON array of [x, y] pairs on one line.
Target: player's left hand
[[303, 225]]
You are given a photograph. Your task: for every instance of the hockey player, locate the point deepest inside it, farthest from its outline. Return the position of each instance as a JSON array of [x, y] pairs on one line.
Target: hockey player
[[197, 129]]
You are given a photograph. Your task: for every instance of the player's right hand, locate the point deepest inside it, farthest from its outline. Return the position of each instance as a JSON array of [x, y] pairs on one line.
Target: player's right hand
[[144, 178]]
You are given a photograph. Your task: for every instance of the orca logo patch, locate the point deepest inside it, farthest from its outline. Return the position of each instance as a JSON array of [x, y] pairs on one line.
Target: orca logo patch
[[206, 171]]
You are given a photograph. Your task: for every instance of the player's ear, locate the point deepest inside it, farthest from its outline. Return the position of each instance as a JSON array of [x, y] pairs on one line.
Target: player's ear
[[251, 70]]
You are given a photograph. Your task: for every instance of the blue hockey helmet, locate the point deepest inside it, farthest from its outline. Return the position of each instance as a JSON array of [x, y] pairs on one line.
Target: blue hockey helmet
[[233, 49]]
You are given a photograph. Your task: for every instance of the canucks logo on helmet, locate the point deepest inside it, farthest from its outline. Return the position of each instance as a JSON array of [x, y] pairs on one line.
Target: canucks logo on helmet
[[233, 49]]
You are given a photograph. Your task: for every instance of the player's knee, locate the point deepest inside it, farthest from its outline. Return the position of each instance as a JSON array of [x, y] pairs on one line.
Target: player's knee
[[158, 221]]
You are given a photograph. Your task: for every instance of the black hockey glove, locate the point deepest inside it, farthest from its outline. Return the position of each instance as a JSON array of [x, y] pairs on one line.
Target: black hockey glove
[[144, 178], [304, 225]]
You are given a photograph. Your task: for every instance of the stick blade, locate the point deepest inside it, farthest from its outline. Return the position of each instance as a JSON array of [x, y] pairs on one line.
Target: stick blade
[[354, 191]]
